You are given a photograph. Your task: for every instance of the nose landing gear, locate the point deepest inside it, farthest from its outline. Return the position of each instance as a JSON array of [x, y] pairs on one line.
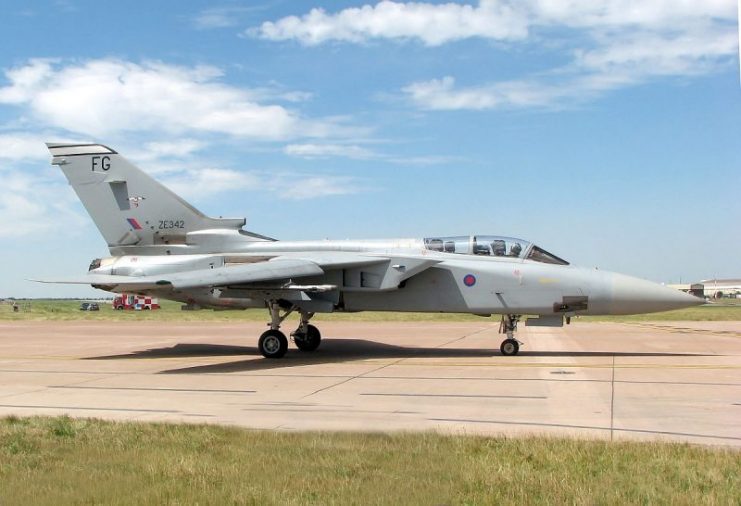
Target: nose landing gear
[[509, 346]]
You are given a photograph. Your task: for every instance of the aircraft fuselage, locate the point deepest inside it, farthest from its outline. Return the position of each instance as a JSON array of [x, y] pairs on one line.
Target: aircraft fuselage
[[457, 283]]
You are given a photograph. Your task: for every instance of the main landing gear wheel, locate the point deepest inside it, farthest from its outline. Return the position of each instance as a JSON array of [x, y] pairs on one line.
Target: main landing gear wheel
[[309, 340], [509, 347], [273, 344]]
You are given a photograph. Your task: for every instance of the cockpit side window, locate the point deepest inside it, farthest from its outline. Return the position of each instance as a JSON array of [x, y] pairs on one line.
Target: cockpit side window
[[457, 244], [540, 255], [434, 244]]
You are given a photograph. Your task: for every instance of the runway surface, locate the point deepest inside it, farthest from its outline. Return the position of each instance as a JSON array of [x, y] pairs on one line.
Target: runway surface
[[651, 381]]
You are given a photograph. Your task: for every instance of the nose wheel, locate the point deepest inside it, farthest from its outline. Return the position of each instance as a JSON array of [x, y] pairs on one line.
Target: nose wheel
[[509, 346]]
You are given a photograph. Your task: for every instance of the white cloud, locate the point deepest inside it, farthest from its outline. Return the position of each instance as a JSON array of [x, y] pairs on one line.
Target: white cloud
[[328, 151], [433, 24], [621, 61], [205, 182], [215, 18], [313, 187], [177, 148], [502, 20], [425, 160], [355, 152], [222, 17], [107, 96], [642, 14], [444, 95], [639, 54], [620, 42], [22, 146], [30, 206]]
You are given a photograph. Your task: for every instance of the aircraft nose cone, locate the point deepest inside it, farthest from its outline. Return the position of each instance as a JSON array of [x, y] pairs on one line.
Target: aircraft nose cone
[[632, 295]]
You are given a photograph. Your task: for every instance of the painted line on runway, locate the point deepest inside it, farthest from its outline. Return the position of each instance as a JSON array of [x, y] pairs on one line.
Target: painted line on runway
[[551, 380], [291, 404], [472, 396], [95, 373], [417, 378], [319, 410], [571, 366], [84, 408], [215, 358], [534, 424], [569, 426], [154, 389], [152, 373]]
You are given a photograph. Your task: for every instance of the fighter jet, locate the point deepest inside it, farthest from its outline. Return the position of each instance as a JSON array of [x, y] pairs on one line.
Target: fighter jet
[[162, 246]]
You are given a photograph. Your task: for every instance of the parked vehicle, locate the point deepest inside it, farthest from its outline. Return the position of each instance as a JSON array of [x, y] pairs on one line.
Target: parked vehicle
[[89, 306], [135, 302]]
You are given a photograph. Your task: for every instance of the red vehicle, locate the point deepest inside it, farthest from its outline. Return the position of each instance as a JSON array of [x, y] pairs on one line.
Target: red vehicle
[[135, 301]]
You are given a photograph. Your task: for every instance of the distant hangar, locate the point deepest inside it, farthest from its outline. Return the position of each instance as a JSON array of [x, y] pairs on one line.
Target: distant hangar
[[712, 288]]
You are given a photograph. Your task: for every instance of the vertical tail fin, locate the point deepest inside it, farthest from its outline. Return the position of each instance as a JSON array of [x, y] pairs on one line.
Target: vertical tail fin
[[129, 207]]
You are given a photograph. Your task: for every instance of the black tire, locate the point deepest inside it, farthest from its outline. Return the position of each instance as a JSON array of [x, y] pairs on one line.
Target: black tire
[[309, 341], [509, 347], [273, 344]]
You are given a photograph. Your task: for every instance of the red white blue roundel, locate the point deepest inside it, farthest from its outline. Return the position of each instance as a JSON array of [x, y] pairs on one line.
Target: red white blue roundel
[[469, 280]]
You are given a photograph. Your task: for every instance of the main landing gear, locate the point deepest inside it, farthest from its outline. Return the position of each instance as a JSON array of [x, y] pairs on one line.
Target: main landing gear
[[510, 346], [274, 344]]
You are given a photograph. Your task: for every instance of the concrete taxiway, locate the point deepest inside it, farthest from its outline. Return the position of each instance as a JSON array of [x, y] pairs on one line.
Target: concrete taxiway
[[650, 381]]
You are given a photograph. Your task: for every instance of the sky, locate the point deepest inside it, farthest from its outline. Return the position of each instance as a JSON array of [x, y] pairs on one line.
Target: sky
[[605, 131]]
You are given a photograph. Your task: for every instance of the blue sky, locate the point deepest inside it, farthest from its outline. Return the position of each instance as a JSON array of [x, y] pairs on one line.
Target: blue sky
[[608, 132]]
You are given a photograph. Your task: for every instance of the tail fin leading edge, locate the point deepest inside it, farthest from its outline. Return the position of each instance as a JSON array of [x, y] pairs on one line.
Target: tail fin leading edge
[[128, 206]]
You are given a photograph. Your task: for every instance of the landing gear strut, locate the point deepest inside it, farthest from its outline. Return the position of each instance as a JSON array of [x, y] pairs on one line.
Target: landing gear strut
[[510, 346], [274, 344]]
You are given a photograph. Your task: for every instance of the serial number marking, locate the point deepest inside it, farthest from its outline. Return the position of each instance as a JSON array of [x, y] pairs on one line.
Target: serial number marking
[[168, 224]]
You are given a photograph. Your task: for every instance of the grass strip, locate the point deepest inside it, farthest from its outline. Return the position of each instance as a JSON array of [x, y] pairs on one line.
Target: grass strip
[[62, 460]]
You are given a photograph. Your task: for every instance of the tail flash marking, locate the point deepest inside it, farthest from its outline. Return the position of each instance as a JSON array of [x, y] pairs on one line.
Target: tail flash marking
[[134, 224]]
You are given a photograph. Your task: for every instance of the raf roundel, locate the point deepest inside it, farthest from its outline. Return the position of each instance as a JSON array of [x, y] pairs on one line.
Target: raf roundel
[[469, 280]]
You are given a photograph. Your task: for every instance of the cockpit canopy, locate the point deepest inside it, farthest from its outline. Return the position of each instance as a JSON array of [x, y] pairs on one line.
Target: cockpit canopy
[[491, 245]]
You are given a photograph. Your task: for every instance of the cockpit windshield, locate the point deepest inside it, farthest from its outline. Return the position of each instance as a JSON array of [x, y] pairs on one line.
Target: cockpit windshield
[[490, 245], [540, 255]]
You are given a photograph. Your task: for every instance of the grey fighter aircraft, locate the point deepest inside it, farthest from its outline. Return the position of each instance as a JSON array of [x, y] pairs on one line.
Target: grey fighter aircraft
[[162, 246]]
